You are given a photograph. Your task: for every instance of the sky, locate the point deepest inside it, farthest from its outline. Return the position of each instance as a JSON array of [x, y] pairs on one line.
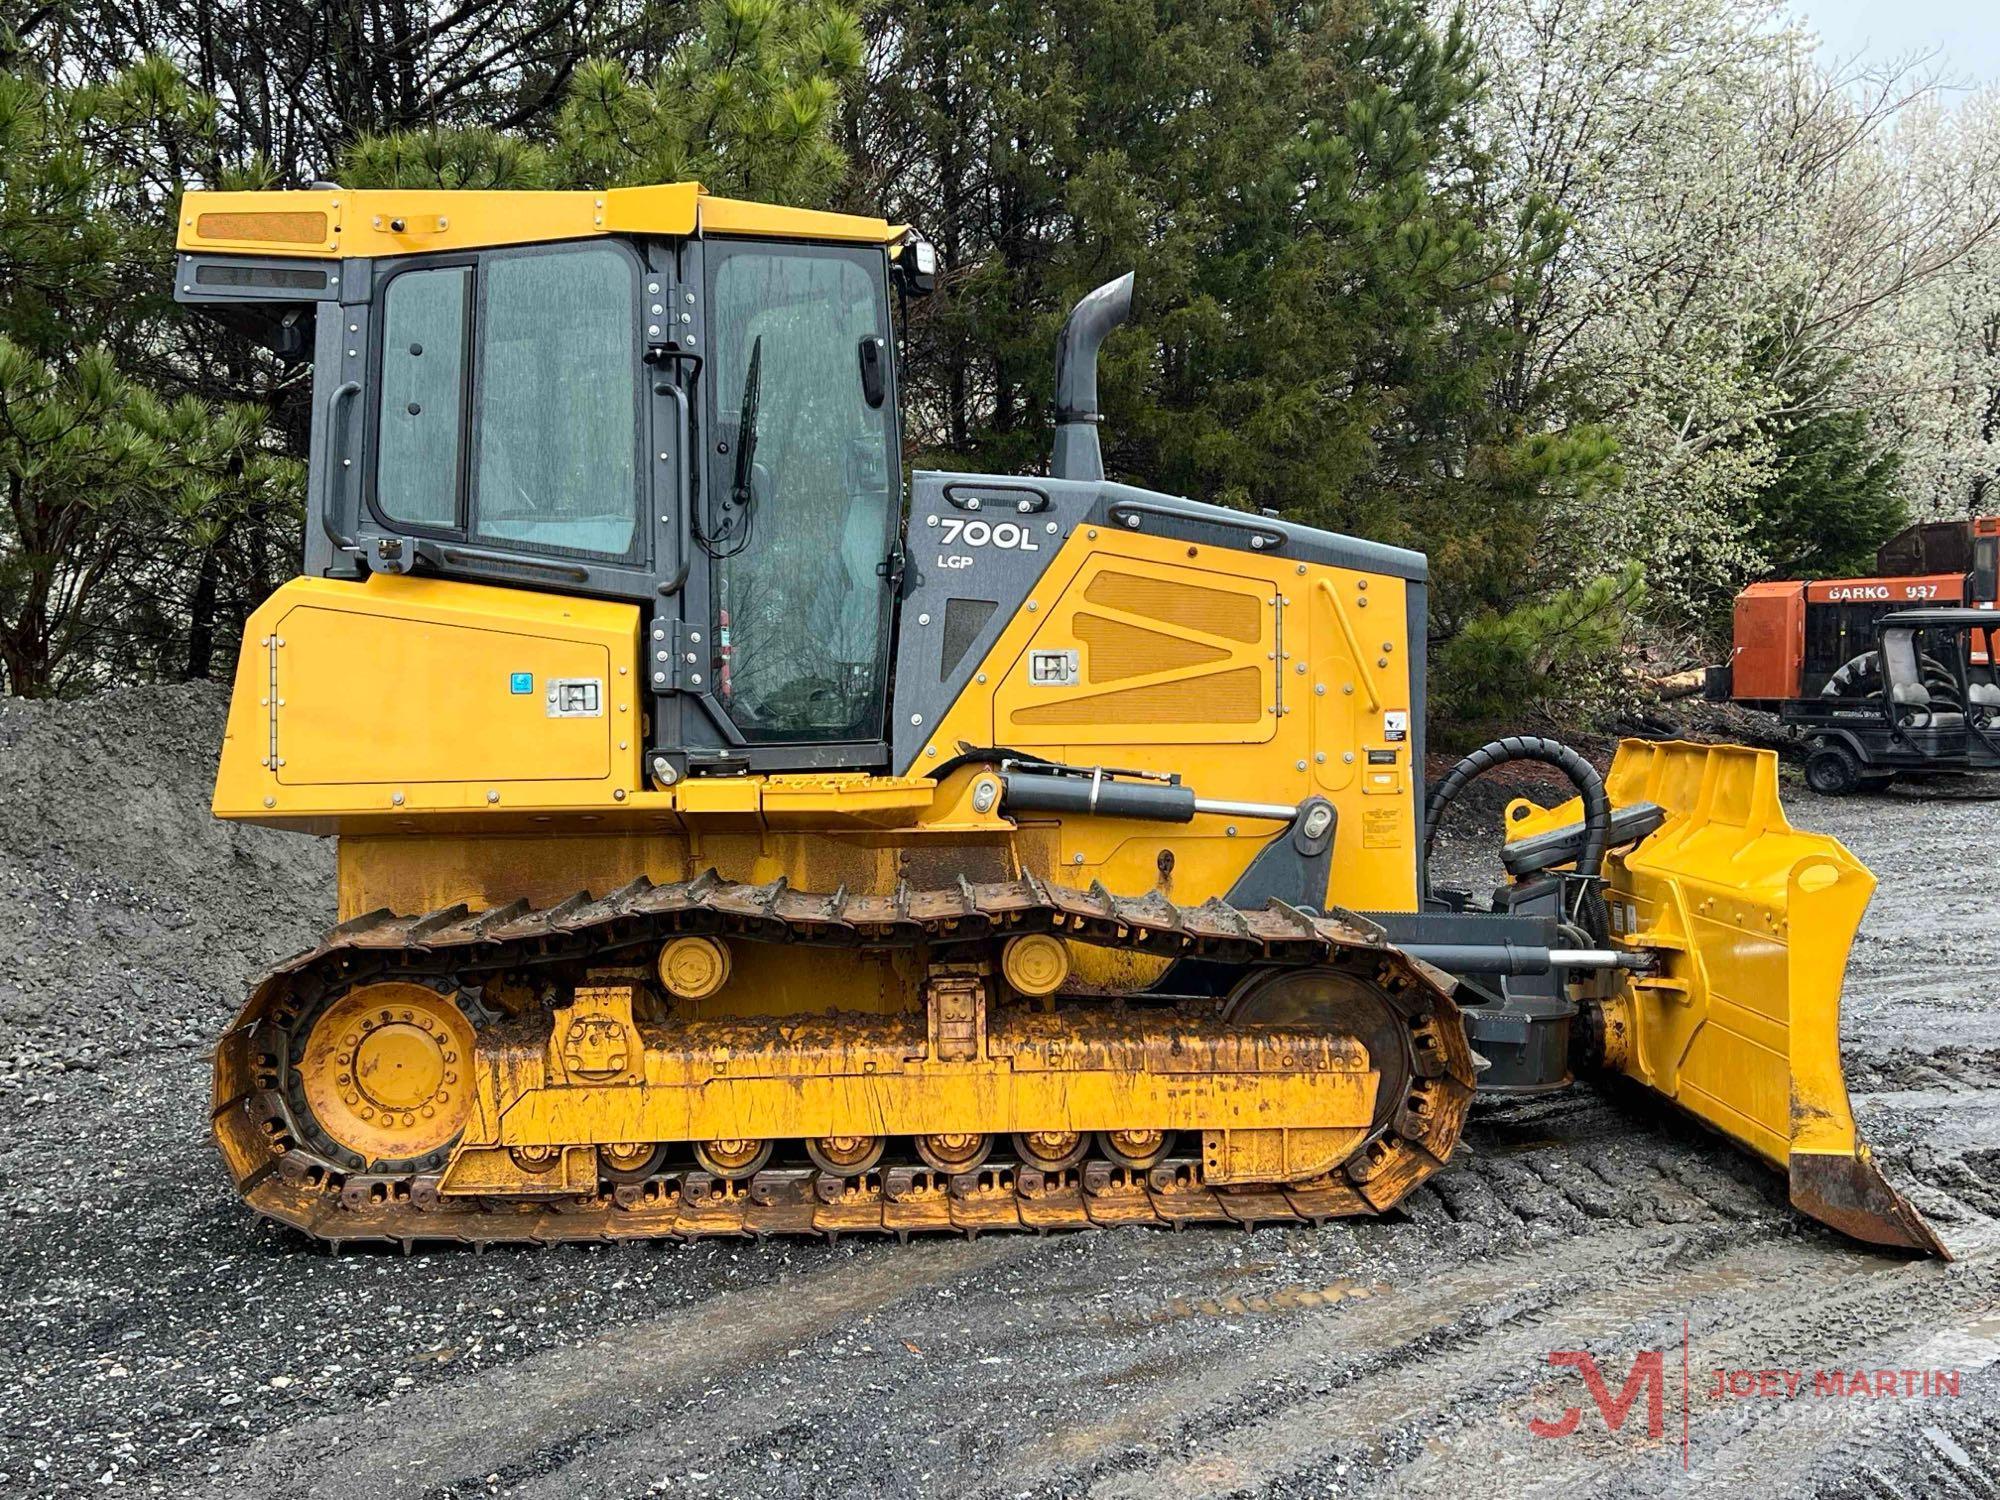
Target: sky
[[1966, 33]]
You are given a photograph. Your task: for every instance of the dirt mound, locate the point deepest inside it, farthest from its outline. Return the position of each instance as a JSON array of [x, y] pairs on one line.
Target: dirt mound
[[127, 915]]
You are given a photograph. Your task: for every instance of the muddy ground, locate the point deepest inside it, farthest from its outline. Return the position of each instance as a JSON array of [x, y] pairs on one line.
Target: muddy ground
[[155, 1338]]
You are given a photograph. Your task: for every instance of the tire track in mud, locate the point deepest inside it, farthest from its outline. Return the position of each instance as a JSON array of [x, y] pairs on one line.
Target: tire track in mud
[[524, 1418], [1775, 1306], [1947, 1322], [1091, 1324], [1384, 1413]]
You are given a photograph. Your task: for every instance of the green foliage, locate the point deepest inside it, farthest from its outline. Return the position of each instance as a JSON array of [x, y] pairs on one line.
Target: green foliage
[[115, 495], [1558, 656], [1834, 498], [744, 103], [106, 486], [1323, 280], [1824, 496]]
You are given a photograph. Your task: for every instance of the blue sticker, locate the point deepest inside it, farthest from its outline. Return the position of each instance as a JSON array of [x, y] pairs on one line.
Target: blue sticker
[[521, 682]]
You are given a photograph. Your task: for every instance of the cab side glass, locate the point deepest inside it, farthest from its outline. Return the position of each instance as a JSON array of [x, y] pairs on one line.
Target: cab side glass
[[423, 374], [801, 596], [557, 407]]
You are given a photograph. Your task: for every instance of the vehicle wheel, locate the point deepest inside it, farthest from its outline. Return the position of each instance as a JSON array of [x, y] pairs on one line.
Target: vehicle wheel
[[1832, 771]]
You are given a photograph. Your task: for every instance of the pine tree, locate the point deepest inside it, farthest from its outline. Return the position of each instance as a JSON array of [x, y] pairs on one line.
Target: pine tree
[[744, 103], [128, 514], [1322, 271]]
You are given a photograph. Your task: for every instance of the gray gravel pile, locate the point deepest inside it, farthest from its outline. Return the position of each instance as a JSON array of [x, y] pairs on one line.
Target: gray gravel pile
[[126, 917], [155, 1339]]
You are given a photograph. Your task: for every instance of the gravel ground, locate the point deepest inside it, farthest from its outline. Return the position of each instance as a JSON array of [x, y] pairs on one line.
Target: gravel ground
[[155, 1338]]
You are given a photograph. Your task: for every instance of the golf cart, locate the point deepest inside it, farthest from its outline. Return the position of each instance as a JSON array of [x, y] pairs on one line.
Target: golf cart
[[1924, 701]]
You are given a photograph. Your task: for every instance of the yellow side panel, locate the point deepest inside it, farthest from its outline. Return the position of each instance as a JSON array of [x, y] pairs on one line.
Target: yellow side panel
[[435, 680], [399, 696], [1245, 673], [1166, 654]]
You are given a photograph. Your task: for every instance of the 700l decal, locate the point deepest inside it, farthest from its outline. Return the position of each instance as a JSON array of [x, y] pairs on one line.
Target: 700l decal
[[1003, 534]]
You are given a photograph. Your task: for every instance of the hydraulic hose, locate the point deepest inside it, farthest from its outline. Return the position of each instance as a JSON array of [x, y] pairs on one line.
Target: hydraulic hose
[[1582, 775]]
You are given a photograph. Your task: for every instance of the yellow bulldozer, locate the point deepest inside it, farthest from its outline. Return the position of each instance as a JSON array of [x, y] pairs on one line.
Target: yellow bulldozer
[[734, 838]]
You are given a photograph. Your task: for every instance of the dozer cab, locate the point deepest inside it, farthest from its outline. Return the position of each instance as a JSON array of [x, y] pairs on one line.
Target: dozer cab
[[1923, 701], [735, 839]]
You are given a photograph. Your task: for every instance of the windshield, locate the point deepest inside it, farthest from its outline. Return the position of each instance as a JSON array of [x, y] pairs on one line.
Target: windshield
[[800, 507]]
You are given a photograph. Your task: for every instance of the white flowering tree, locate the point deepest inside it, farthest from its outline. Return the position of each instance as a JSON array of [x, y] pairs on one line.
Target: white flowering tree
[[1743, 230], [1931, 369]]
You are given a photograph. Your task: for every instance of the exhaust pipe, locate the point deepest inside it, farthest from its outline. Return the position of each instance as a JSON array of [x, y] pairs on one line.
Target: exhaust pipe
[[1077, 454]]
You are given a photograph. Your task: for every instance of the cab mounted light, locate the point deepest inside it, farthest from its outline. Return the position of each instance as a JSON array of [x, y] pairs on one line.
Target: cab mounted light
[[914, 263]]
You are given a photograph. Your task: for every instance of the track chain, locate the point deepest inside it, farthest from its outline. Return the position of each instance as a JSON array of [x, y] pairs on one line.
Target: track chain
[[284, 1177]]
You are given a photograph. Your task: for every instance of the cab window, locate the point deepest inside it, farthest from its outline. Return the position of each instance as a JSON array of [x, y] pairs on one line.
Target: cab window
[[418, 454], [537, 451], [555, 461], [802, 486]]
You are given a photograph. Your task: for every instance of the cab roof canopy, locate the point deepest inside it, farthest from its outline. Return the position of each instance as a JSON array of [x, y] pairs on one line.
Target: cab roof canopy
[[340, 222], [1945, 619]]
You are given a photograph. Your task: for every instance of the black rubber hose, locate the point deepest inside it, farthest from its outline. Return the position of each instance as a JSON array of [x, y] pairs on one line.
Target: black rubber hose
[[1581, 773]]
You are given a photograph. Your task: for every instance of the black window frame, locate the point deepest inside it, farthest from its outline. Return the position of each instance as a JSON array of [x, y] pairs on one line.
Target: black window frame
[[465, 529]]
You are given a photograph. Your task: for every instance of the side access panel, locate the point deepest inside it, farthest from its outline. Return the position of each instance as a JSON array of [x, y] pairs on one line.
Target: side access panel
[[1740, 1025], [401, 695]]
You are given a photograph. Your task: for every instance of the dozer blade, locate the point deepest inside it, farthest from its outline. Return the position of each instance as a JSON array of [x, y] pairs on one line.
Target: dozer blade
[[1740, 1022]]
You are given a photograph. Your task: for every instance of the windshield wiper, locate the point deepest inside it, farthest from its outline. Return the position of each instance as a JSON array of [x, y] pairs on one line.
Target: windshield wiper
[[746, 425]]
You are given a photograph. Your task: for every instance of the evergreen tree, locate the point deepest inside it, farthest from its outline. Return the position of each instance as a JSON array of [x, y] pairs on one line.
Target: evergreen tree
[[131, 518], [1833, 498], [1322, 274], [744, 103]]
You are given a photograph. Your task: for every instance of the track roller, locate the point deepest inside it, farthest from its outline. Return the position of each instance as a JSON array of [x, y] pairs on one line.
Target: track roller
[[1135, 1150], [1051, 1150], [954, 1152], [732, 1161], [845, 1155]]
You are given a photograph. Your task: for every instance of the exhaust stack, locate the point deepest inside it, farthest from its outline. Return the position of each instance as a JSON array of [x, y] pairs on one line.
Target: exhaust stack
[[1077, 454]]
